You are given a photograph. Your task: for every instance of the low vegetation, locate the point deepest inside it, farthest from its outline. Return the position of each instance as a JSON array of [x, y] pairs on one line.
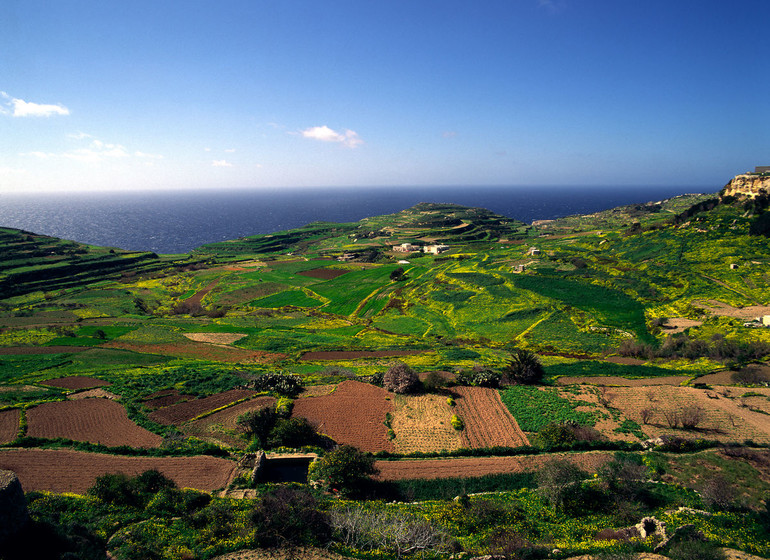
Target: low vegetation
[[542, 365]]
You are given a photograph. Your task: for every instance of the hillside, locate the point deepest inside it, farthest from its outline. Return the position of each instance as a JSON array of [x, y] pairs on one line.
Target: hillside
[[642, 318]]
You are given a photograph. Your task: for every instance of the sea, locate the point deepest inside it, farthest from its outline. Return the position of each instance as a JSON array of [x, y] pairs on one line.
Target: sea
[[178, 221]]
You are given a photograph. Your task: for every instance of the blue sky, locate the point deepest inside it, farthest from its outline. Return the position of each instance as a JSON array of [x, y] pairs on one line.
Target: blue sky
[[288, 93]]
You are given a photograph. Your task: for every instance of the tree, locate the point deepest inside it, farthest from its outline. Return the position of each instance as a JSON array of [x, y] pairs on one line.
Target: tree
[[556, 479], [258, 424], [524, 368], [287, 516], [397, 275], [400, 378], [345, 470]]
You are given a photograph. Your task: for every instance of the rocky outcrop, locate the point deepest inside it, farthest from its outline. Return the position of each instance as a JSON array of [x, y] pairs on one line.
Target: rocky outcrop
[[13, 506], [748, 185]]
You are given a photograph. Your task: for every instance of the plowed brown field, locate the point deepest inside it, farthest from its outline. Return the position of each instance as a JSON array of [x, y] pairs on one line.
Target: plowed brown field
[[93, 420], [221, 425], [76, 382], [200, 350], [9, 425], [488, 423], [353, 414], [423, 423], [184, 411], [165, 398], [479, 466], [323, 273], [64, 470], [612, 381]]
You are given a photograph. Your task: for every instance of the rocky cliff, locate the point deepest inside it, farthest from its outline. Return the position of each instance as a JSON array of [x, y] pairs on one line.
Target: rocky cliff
[[748, 185], [13, 506]]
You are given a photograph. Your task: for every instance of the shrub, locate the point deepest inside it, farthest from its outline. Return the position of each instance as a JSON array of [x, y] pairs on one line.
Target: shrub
[[691, 416], [258, 424], [433, 381], [479, 376], [556, 479], [695, 549], [281, 383], [296, 432], [400, 378], [457, 422], [524, 368], [345, 470], [289, 516]]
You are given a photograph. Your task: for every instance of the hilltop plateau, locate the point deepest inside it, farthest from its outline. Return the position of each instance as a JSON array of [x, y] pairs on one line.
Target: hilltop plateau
[[587, 373]]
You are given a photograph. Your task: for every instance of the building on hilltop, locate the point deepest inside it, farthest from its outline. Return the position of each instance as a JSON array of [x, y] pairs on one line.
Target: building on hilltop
[[436, 249], [762, 169]]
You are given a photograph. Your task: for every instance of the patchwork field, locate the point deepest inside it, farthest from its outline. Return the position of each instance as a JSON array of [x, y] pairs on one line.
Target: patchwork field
[[94, 420], [60, 470], [221, 425], [458, 467], [423, 423], [9, 424], [353, 414], [184, 411], [488, 423]]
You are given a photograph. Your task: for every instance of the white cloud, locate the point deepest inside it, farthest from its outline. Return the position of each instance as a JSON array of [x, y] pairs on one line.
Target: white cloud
[[21, 108], [347, 138], [95, 151], [221, 163], [230, 151], [553, 6]]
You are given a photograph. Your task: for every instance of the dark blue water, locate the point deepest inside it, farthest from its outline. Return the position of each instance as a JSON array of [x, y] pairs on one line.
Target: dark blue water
[[179, 221]]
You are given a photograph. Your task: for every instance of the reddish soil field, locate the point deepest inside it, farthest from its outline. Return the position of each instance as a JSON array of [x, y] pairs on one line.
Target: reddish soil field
[[353, 355], [761, 371], [94, 420], [9, 425], [76, 382], [198, 297], [184, 411], [64, 470], [323, 273], [611, 381], [221, 425], [488, 423], [165, 398], [480, 466], [353, 414], [200, 350]]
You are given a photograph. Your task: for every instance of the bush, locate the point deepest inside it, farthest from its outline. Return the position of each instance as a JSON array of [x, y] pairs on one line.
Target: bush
[[695, 550], [296, 432], [400, 378], [346, 470], [122, 490], [524, 368], [281, 383], [457, 422], [556, 479], [479, 377], [289, 516], [258, 424]]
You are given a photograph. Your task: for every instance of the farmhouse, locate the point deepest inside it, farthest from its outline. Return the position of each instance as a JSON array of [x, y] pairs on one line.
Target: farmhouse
[[436, 249], [534, 251], [406, 248]]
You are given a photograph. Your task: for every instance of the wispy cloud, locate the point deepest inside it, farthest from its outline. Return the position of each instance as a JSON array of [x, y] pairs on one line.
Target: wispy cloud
[[221, 163], [95, 151], [348, 138], [20, 108], [553, 6]]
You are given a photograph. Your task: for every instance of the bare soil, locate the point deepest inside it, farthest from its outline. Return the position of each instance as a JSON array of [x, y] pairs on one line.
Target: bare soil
[[726, 377], [165, 398], [300, 553], [423, 423], [720, 308], [215, 338], [479, 466], [323, 273], [488, 423], [184, 411], [76, 382], [94, 420], [612, 381], [64, 470], [9, 425], [680, 324], [221, 425], [93, 393], [355, 355], [199, 350], [29, 350], [353, 414]]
